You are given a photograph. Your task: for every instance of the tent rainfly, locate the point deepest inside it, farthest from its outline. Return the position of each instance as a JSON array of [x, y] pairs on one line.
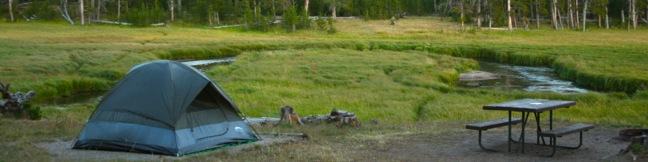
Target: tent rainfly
[[165, 107]]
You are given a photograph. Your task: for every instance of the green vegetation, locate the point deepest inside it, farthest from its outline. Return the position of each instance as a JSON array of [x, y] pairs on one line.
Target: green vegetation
[[400, 75]]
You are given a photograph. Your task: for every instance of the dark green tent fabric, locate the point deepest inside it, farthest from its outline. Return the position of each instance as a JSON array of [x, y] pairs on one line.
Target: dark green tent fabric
[[164, 107]]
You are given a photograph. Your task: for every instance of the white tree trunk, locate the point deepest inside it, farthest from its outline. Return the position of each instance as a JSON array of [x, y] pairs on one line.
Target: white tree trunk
[[585, 14], [64, 11], [306, 3], [571, 13], [11, 15], [118, 10], [554, 14], [81, 12], [508, 10], [172, 9], [607, 18], [334, 9], [537, 14], [577, 20], [634, 14], [479, 15]]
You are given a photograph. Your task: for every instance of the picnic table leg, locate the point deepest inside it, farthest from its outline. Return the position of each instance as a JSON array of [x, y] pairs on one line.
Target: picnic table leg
[[509, 131], [524, 122], [551, 123], [537, 119]]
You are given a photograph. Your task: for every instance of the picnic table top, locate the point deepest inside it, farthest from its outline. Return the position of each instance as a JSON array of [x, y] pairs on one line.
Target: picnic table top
[[530, 105]]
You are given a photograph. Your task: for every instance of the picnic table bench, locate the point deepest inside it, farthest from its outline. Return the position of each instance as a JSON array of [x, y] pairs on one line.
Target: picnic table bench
[[535, 107], [489, 125]]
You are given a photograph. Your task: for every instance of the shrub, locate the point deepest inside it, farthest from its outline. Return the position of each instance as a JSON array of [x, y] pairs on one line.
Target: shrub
[[290, 19], [322, 24], [33, 112], [331, 29]]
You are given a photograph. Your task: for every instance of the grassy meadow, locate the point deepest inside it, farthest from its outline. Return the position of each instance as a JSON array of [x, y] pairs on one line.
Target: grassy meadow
[[403, 75]]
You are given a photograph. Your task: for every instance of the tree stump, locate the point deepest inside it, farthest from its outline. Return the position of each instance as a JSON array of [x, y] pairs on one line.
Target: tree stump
[[288, 115]]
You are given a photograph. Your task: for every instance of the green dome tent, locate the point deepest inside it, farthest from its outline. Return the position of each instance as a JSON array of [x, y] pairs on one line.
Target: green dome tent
[[165, 107]]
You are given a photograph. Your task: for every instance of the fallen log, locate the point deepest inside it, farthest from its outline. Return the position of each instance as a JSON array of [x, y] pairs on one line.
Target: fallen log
[[13, 103]]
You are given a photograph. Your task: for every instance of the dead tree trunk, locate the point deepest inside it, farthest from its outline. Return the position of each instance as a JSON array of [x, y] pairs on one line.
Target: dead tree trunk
[[11, 15], [13, 103], [537, 13], [64, 11], [479, 15], [334, 9], [118, 10], [306, 3], [633, 10], [577, 20], [571, 13], [98, 10], [81, 12], [172, 10], [508, 10], [607, 18], [585, 14], [461, 6], [554, 14]]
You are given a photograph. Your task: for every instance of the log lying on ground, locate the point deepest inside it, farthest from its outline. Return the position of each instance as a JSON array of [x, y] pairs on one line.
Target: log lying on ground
[[13, 103], [340, 117]]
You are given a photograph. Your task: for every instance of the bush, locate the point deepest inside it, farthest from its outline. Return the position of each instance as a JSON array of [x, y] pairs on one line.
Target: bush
[[331, 29], [34, 113], [304, 21], [290, 19], [322, 24]]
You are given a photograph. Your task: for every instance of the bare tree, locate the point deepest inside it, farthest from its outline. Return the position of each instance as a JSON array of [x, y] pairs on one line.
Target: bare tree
[[508, 10], [479, 14], [461, 7], [576, 8], [537, 13], [554, 14], [81, 12], [172, 9], [334, 9], [64, 11], [118, 10], [607, 18], [570, 11], [585, 14], [11, 15], [633, 13]]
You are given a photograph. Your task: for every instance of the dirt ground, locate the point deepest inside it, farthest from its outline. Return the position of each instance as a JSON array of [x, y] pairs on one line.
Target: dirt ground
[[599, 145], [62, 150], [449, 142]]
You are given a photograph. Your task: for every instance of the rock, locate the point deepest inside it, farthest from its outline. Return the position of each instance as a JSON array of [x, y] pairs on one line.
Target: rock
[[477, 76]]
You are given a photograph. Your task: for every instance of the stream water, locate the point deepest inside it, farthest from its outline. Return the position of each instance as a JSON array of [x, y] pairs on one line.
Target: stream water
[[203, 64], [533, 79]]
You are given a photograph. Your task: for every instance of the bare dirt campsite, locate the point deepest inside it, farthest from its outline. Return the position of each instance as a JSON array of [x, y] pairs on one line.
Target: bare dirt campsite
[[323, 80]]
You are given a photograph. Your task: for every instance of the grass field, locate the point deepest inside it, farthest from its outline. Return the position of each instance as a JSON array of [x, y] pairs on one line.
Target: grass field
[[398, 75]]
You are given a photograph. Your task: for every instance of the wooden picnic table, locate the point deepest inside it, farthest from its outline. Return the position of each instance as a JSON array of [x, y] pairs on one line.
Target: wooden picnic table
[[526, 107]]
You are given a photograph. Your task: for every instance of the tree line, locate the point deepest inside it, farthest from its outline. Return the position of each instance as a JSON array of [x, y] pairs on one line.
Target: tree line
[[294, 14]]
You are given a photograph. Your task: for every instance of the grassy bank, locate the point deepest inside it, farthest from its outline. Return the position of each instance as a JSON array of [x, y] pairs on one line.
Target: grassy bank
[[393, 87], [398, 75]]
